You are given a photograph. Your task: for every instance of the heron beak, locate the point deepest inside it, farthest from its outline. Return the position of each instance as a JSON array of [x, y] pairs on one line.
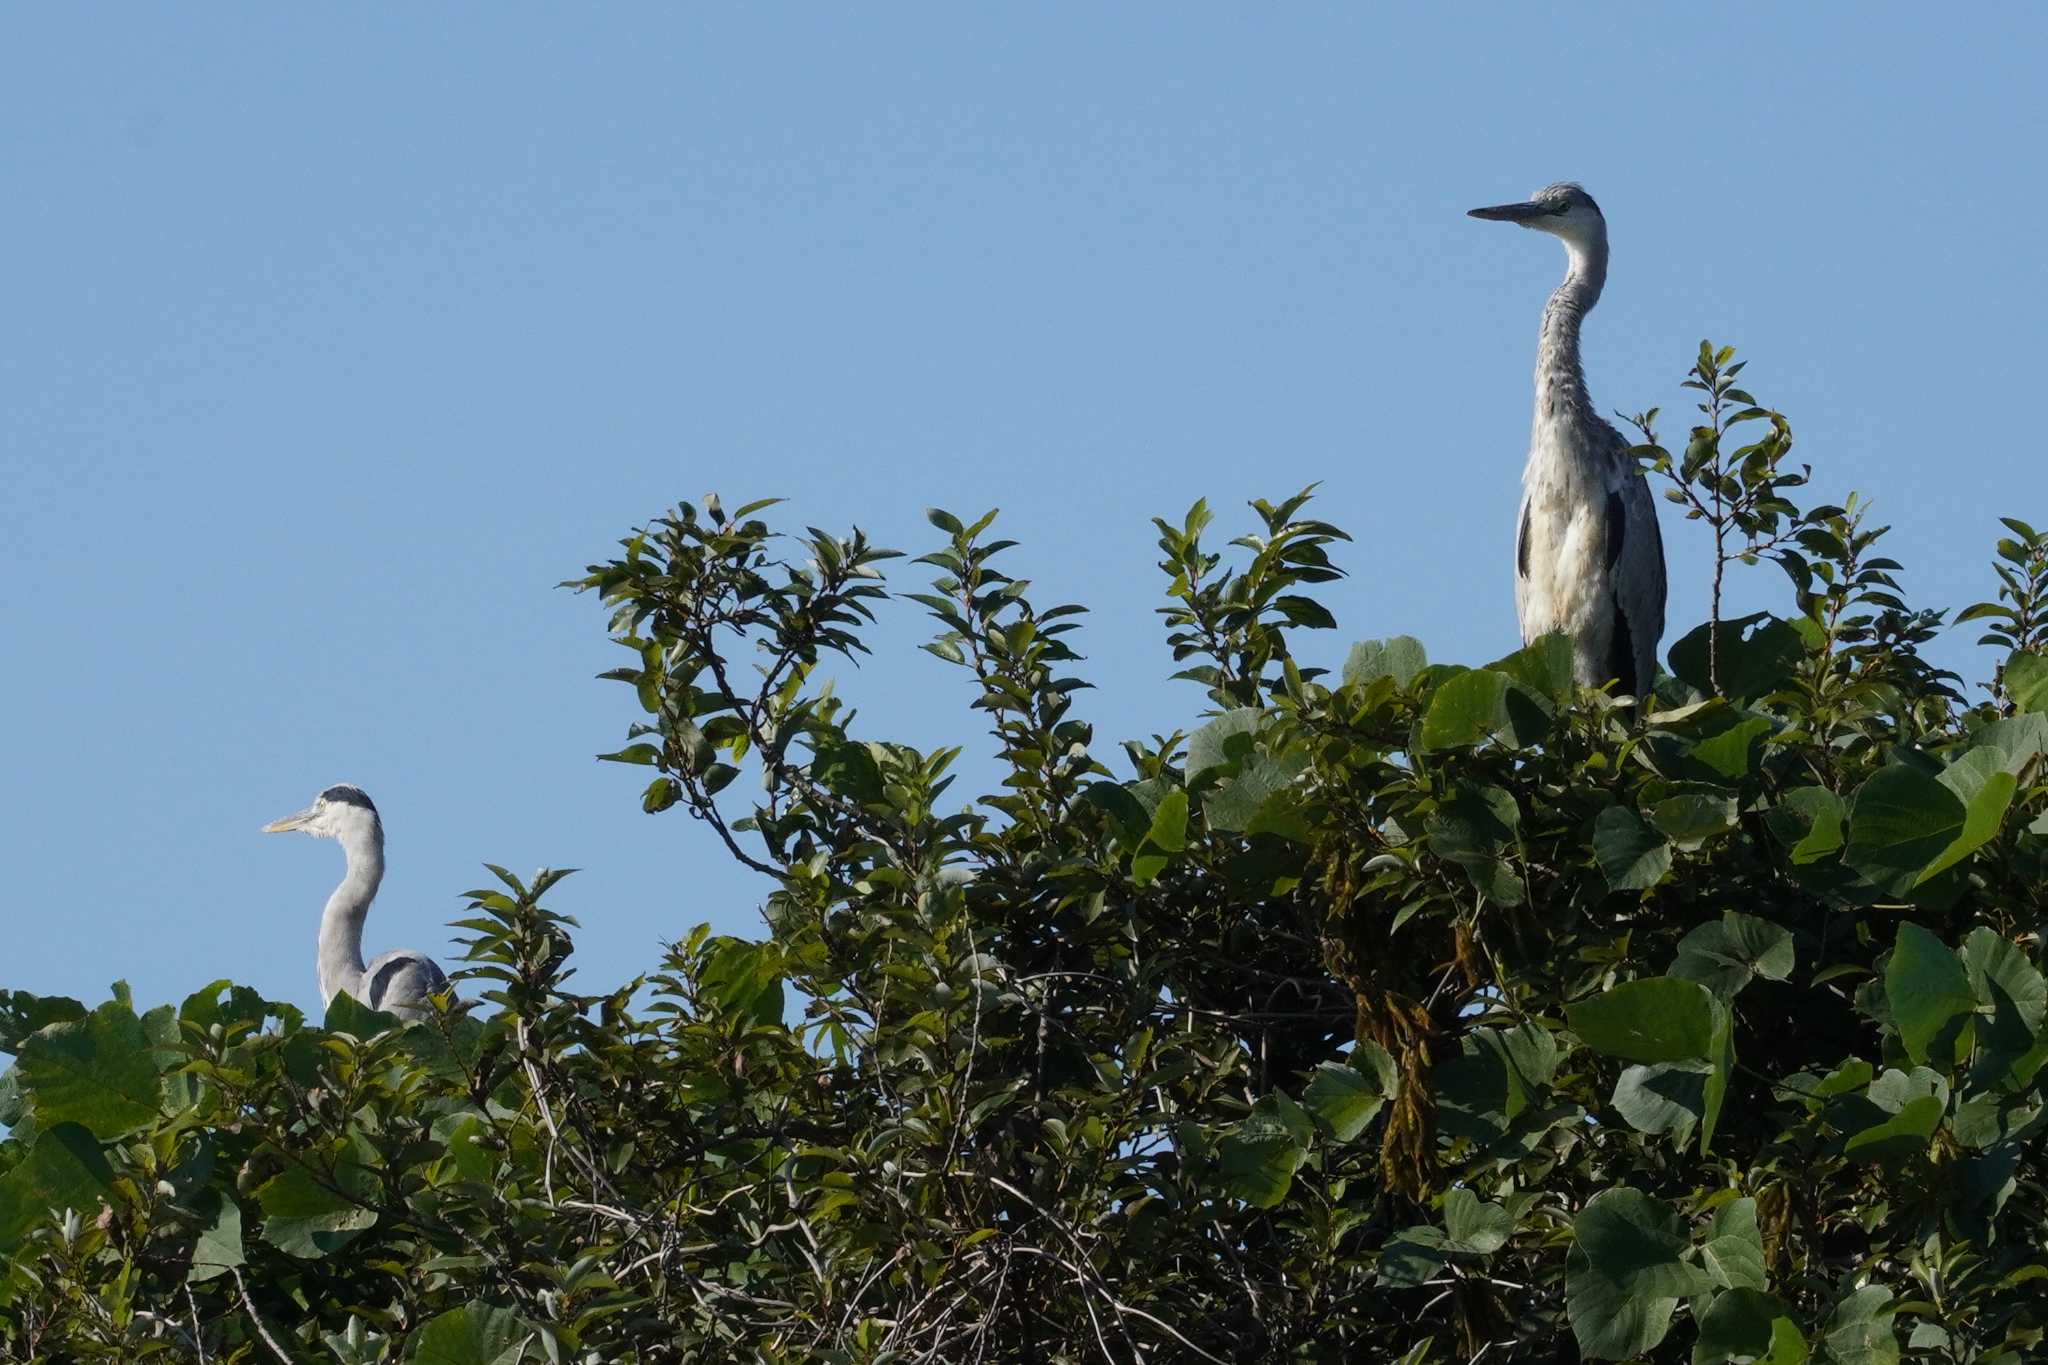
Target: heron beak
[[1509, 213], [290, 822]]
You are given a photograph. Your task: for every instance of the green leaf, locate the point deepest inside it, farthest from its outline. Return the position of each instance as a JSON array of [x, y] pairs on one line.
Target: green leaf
[[1608, 1322], [744, 979], [1748, 1324], [475, 1334], [1474, 829], [1727, 955], [1658, 1019], [220, 1242], [1400, 658], [1227, 739], [1669, 1097], [1237, 804], [1983, 812], [1638, 1241], [1411, 1257], [312, 1213], [1860, 1332], [1758, 653], [1813, 817], [1624, 1275], [1927, 986], [1263, 1150], [97, 1071], [1473, 1225], [1465, 709], [1722, 1055], [22, 1014], [2026, 682], [1901, 822], [1167, 835], [1544, 666], [1690, 819], [63, 1170], [1904, 1134], [1734, 1250], [1632, 855], [1125, 811], [2013, 1001], [347, 1015], [1343, 1099]]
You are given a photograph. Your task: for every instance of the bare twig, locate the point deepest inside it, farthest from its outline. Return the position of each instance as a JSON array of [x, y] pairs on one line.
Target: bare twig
[[249, 1305]]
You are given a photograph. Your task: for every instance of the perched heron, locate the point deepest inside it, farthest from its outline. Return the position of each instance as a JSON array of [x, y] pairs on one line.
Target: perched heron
[[397, 981], [1589, 560]]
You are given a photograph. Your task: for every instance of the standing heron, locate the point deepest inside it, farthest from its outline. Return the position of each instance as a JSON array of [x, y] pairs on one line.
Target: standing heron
[[1589, 560], [400, 981]]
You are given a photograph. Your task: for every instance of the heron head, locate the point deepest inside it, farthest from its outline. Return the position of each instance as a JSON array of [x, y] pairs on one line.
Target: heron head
[[1563, 210], [335, 811]]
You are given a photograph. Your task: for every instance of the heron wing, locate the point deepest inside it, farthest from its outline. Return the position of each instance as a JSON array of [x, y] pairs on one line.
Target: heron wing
[[1635, 572], [401, 981]]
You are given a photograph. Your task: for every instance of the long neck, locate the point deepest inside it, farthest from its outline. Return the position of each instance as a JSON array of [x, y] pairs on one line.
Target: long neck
[[1560, 379], [341, 924]]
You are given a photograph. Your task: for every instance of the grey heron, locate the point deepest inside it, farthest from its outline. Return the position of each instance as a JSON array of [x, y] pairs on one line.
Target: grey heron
[[400, 981], [1589, 559]]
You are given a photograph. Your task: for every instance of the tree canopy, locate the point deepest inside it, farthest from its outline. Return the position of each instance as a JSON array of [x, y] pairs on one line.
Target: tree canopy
[[1415, 1013]]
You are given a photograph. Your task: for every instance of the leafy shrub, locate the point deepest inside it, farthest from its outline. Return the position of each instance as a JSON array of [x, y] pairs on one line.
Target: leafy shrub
[[1419, 1013]]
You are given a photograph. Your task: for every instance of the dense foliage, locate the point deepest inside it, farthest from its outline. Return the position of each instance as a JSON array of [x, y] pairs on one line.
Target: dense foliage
[[1420, 1013]]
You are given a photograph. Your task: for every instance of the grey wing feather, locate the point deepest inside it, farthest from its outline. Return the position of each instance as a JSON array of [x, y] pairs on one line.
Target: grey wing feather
[[1636, 569], [401, 981]]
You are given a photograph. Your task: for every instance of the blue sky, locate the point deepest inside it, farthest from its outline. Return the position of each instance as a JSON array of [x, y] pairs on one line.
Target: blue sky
[[337, 337]]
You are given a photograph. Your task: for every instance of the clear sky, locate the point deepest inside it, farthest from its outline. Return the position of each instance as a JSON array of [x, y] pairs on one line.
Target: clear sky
[[336, 336]]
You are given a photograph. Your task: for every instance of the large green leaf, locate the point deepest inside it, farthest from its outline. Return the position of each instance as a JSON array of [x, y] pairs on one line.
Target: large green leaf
[[1757, 653], [220, 1242], [1927, 986], [2013, 1001], [63, 1170], [1343, 1098], [1544, 666], [1985, 788], [2026, 682], [1609, 1322], [1669, 1097], [1633, 856], [475, 1334], [1904, 1134], [1473, 1225], [1727, 954], [1465, 709], [1902, 821], [1748, 1325], [1658, 1019], [1238, 803], [1639, 1242], [1734, 1250], [1624, 1274], [1722, 1055], [1261, 1153], [311, 1213], [1860, 1331], [1476, 829], [1227, 739], [97, 1071], [1400, 658], [22, 1014], [1167, 835]]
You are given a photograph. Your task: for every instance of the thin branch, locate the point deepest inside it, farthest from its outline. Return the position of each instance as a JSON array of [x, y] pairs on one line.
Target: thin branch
[[249, 1305]]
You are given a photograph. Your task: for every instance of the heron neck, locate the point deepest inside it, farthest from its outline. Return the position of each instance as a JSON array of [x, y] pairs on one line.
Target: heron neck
[[1560, 378], [341, 923]]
